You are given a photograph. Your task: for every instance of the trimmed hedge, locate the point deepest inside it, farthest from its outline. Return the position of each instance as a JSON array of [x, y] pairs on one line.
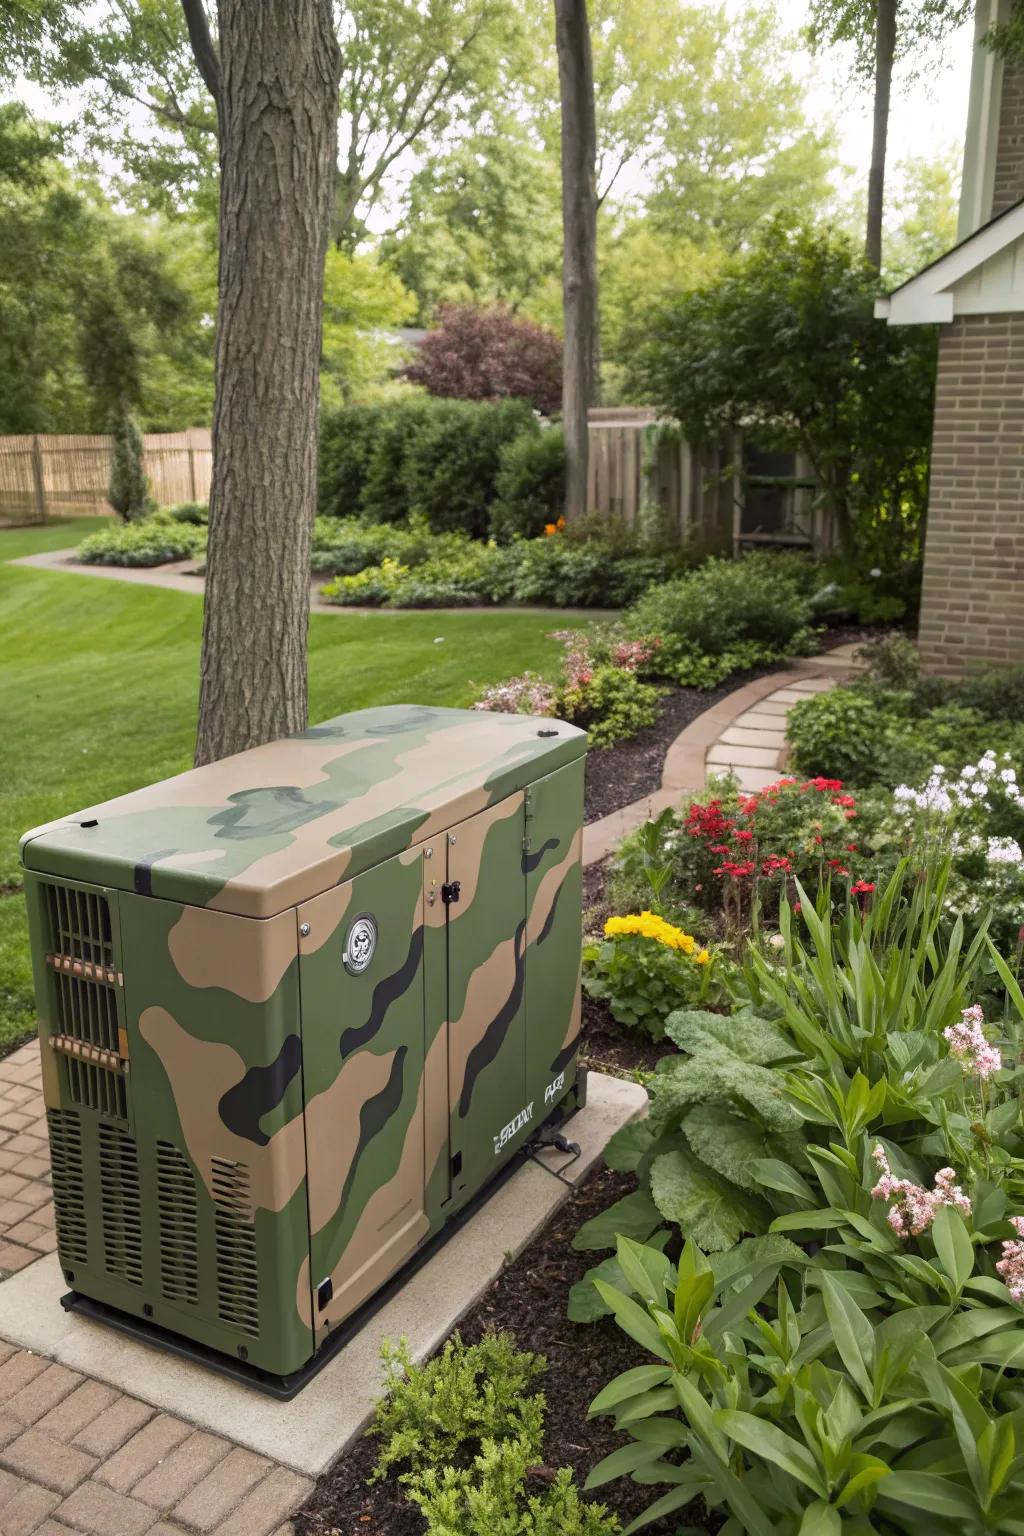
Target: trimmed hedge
[[437, 459]]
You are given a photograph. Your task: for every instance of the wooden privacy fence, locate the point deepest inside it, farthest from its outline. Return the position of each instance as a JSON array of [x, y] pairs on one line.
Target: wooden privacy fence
[[640, 463], [67, 476]]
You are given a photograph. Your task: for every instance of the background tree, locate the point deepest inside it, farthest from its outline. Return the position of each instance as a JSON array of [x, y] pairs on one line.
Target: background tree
[[784, 345], [882, 33], [490, 354], [274, 80], [579, 243]]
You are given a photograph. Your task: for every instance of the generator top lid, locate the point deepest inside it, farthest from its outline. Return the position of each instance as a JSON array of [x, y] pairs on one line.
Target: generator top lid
[[259, 832]]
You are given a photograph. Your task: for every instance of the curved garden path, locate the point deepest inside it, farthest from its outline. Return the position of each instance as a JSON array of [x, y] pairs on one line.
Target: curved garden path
[[744, 733]]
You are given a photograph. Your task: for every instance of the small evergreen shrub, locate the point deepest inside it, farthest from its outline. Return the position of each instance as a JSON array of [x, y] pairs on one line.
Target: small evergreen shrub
[[196, 512], [127, 491]]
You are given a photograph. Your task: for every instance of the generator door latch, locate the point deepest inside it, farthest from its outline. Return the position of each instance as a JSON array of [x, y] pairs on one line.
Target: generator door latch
[[451, 892]]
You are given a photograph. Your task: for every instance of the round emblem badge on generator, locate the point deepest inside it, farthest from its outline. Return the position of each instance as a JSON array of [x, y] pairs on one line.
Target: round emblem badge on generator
[[360, 944]]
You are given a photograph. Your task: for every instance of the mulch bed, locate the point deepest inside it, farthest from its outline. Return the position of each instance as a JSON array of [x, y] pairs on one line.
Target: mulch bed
[[529, 1300]]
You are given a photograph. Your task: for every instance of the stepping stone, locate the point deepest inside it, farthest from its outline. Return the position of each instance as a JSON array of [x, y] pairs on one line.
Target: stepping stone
[[753, 779], [740, 736], [772, 706], [813, 685], [725, 756], [761, 720], [792, 695]]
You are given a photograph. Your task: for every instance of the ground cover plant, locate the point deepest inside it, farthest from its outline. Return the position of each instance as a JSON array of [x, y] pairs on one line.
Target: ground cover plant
[[155, 539], [57, 756], [838, 1342], [463, 1433]]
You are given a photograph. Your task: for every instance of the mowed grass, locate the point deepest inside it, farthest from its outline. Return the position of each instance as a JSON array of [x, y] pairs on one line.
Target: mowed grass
[[99, 687]]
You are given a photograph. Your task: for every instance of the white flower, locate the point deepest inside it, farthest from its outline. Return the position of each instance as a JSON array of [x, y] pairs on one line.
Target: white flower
[[977, 788], [1003, 850], [1008, 776], [968, 772]]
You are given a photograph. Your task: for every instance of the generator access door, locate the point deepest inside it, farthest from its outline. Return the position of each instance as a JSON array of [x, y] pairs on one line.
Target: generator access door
[[485, 897], [361, 949]]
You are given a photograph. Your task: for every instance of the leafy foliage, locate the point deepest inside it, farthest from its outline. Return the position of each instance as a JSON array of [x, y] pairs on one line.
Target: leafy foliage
[[721, 607], [466, 1428], [785, 344], [153, 540], [530, 485], [643, 980], [490, 354]]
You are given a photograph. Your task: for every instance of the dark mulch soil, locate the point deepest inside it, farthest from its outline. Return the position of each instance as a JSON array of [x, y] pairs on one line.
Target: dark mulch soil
[[529, 1300], [609, 1047], [618, 775]]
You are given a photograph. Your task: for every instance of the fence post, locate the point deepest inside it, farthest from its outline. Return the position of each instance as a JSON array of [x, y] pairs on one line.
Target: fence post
[[37, 478], [192, 469]]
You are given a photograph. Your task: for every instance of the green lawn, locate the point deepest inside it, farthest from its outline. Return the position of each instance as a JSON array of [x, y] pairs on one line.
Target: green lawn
[[100, 683]]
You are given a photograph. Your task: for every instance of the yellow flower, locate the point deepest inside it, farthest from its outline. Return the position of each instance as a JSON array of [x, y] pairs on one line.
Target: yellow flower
[[649, 926], [549, 529]]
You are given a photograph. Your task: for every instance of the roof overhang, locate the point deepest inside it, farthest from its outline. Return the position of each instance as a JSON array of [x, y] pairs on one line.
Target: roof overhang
[[932, 297]]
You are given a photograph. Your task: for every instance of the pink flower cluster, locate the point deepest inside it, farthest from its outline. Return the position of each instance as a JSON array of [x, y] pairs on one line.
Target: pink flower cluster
[[913, 1209], [968, 1045], [525, 695], [1011, 1265]]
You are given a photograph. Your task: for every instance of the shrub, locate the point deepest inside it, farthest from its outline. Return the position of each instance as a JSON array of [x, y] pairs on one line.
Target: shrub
[[645, 968], [154, 540], [582, 573], [759, 599], [490, 354], [467, 1427], [597, 689], [452, 467], [343, 546], [128, 490], [437, 458], [530, 485], [868, 734], [195, 512]]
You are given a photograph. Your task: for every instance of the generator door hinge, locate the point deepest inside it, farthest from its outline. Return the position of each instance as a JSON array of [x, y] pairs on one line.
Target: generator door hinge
[[451, 892]]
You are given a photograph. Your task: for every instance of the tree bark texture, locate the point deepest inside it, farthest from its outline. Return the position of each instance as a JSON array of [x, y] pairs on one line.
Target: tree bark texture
[[885, 49], [579, 242], [277, 107]]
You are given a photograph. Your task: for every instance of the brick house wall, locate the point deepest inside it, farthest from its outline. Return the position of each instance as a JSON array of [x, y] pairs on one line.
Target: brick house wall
[[1008, 181], [972, 606]]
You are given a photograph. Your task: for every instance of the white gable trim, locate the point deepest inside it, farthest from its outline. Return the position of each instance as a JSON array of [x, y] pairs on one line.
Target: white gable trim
[[932, 297]]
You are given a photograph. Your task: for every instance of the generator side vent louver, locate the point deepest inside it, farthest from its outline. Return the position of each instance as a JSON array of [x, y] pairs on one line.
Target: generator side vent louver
[[68, 1185], [121, 1205], [179, 1225], [80, 925], [81, 956], [235, 1236]]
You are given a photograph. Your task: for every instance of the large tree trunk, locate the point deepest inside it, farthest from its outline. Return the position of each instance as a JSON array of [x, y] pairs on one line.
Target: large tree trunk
[[885, 48], [276, 87], [579, 234]]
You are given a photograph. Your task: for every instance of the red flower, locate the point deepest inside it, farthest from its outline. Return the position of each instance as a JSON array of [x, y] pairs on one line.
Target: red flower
[[737, 871], [773, 864], [844, 800], [863, 888], [851, 847], [838, 866], [797, 907], [744, 837], [720, 848], [822, 785]]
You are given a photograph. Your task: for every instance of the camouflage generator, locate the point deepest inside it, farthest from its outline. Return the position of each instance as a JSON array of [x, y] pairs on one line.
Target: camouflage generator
[[296, 1009]]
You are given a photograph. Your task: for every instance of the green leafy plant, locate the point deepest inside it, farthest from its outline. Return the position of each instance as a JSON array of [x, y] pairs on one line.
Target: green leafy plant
[[645, 969], [467, 1428], [128, 489], [529, 486], [154, 540], [814, 1407]]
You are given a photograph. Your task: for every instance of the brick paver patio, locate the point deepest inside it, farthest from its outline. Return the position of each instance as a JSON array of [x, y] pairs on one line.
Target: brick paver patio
[[78, 1457]]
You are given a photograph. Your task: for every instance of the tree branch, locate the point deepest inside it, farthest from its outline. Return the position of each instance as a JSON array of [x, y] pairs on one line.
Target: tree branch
[[203, 49]]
